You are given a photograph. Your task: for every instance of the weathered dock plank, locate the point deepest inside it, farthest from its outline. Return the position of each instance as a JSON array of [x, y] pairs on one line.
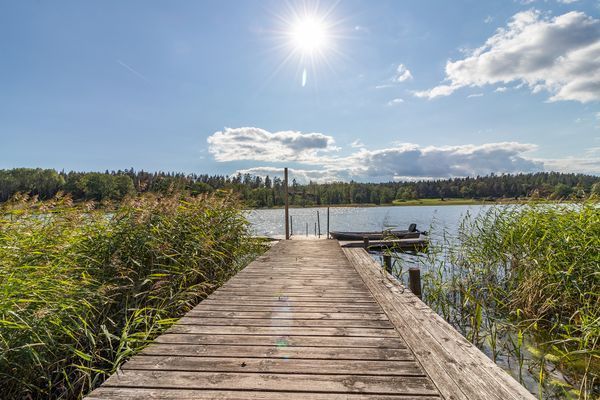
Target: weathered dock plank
[[296, 313], [459, 369], [309, 320], [249, 381], [276, 365], [314, 323], [124, 393], [284, 341], [283, 349]]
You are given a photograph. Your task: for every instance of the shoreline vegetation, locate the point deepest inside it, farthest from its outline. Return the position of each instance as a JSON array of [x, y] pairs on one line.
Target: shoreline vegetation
[[523, 284], [84, 289], [267, 192]]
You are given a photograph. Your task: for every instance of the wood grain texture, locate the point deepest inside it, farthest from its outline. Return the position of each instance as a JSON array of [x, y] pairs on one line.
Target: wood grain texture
[[287, 314], [124, 393], [324, 383], [280, 349], [303, 321], [276, 365], [283, 322], [460, 370], [303, 341]]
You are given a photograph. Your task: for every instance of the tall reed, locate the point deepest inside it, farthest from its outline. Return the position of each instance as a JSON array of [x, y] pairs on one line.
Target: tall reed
[[83, 290], [523, 283]]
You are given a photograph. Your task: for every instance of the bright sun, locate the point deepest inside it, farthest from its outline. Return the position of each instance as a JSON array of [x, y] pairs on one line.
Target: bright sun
[[309, 35]]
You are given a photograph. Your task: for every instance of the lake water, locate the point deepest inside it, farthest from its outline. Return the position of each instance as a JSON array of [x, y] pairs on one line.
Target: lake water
[[271, 222]]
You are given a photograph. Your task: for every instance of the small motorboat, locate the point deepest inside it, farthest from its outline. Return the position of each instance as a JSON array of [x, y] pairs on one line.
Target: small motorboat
[[411, 233]]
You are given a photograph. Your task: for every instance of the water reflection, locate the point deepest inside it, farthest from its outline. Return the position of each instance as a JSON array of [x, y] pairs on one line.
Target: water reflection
[[271, 222]]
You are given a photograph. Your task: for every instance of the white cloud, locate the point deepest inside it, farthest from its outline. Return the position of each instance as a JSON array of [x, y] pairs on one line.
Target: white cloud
[[438, 91], [395, 102], [567, 1], [501, 89], [439, 162], [249, 143], [475, 95], [488, 19], [400, 161], [357, 144], [406, 160], [559, 55], [587, 164], [402, 74]]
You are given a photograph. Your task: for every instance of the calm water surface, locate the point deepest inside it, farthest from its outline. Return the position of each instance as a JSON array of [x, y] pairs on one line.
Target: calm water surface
[[271, 222]]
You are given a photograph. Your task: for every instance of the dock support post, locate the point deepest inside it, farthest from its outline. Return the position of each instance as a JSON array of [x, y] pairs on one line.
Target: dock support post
[[307, 229], [366, 243], [319, 224], [287, 205], [414, 281], [291, 226], [387, 262], [327, 222]]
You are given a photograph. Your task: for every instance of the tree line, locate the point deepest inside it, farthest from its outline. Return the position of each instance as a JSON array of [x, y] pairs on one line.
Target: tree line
[[267, 191]]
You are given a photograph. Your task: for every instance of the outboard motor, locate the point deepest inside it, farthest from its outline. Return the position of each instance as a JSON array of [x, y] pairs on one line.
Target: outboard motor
[[412, 228]]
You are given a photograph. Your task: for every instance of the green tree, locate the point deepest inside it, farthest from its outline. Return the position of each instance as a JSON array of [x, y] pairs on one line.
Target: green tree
[[562, 191], [97, 186], [123, 186]]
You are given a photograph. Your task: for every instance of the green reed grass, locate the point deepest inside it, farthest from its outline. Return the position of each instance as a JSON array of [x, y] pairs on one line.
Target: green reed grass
[[523, 283], [81, 290]]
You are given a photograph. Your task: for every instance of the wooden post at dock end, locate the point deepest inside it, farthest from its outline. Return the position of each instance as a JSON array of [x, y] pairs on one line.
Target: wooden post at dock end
[[287, 205], [291, 226], [307, 229], [366, 243], [414, 281], [327, 222], [387, 262], [319, 223]]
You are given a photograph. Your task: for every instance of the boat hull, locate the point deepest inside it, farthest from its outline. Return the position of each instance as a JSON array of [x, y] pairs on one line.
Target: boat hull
[[374, 235]]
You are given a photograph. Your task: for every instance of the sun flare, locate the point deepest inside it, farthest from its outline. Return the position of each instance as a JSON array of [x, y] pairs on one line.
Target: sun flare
[[309, 35]]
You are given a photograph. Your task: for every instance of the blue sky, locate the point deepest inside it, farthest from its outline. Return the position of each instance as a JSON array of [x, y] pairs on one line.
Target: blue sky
[[400, 90]]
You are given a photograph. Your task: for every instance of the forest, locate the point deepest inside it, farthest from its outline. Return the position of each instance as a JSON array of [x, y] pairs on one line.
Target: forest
[[256, 191]]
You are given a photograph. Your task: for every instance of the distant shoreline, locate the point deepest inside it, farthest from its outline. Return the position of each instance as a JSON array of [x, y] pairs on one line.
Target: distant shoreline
[[425, 202]]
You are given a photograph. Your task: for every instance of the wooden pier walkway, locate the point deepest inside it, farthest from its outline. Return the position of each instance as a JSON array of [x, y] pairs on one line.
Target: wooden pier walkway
[[310, 320]]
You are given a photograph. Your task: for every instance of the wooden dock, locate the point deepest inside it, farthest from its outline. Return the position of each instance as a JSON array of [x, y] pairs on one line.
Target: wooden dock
[[310, 320]]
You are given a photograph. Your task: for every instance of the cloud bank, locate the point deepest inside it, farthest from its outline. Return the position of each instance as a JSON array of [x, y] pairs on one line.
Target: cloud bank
[[559, 55], [411, 160], [402, 161]]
